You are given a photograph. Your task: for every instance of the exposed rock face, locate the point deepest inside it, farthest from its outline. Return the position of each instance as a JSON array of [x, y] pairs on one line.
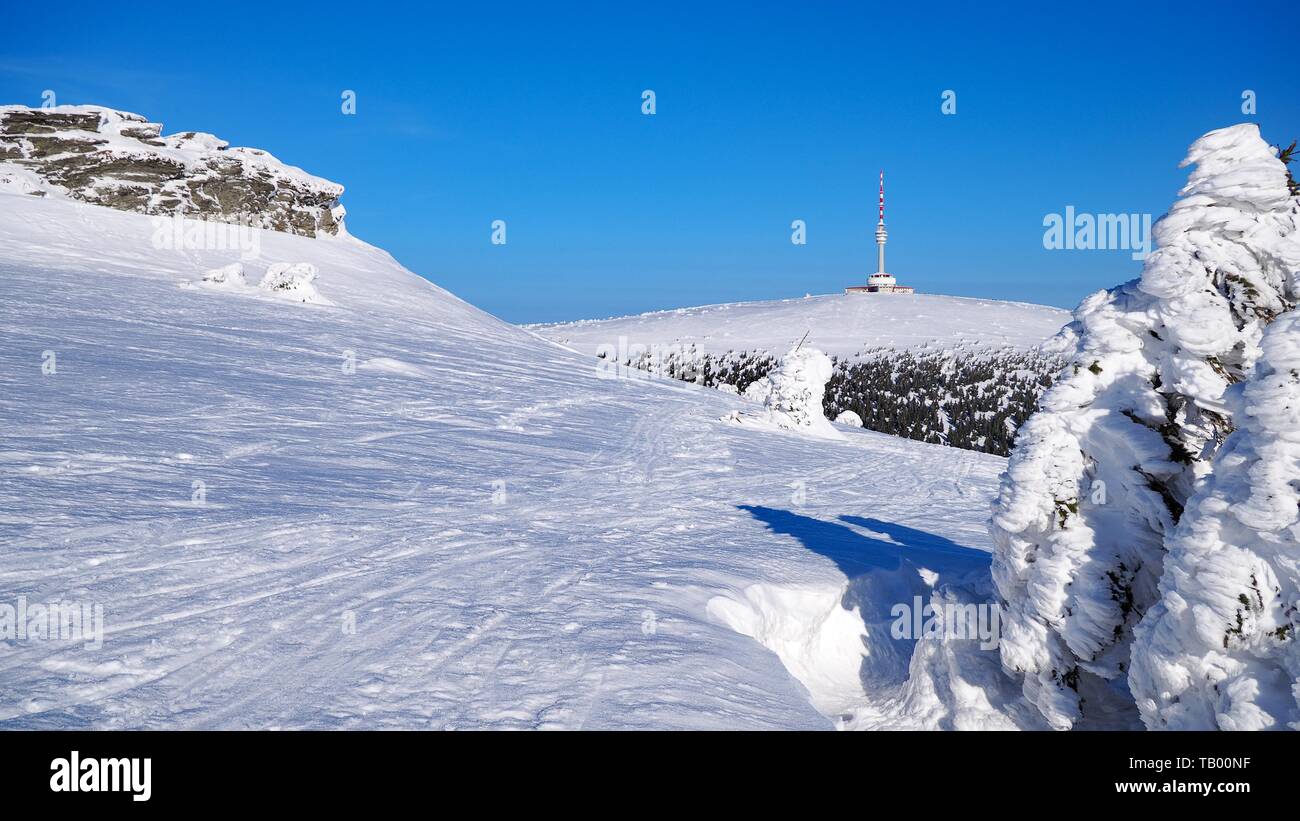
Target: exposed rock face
[[121, 160]]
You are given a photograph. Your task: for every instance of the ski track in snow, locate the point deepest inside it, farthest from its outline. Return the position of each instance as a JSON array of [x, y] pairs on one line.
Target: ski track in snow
[[579, 600]]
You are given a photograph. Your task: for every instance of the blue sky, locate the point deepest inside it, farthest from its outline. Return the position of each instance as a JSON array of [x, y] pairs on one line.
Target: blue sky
[[766, 113]]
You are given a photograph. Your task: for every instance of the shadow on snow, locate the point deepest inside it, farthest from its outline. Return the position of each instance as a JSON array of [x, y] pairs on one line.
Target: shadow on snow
[[886, 564]]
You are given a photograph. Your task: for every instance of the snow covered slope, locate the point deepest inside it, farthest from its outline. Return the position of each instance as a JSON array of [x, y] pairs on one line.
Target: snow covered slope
[[839, 325], [393, 510]]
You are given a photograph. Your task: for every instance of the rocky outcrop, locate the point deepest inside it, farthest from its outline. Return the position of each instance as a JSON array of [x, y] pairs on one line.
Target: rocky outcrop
[[121, 160]]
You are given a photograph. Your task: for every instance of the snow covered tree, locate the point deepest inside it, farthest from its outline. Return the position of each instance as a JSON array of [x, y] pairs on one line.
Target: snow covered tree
[[1286, 156], [792, 395], [1102, 471], [796, 386], [1219, 649]]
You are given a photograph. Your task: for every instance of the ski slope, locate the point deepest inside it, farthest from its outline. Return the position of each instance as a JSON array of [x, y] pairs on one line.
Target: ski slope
[[471, 528], [838, 324]]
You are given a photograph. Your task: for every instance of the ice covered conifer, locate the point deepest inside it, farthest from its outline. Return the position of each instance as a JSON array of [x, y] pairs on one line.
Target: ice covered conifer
[[792, 394], [1103, 469], [1219, 649], [758, 390], [797, 385]]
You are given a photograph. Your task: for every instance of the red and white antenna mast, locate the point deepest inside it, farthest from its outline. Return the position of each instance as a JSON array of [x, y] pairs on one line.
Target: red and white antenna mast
[[882, 196], [881, 236], [881, 282]]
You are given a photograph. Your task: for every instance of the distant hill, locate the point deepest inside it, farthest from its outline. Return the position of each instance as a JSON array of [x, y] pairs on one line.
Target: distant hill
[[840, 325], [942, 369]]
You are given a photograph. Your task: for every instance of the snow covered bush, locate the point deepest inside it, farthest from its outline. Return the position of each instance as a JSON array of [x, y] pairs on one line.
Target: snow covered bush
[[1102, 471], [849, 418], [293, 280], [232, 274], [1219, 648]]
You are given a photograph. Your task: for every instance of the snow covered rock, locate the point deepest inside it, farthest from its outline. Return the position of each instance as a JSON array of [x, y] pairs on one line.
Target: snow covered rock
[[17, 180], [1102, 472], [120, 160], [849, 418], [292, 280], [1219, 649], [232, 274]]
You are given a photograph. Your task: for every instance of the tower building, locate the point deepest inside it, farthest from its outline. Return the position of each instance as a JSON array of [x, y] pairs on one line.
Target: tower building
[[880, 282]]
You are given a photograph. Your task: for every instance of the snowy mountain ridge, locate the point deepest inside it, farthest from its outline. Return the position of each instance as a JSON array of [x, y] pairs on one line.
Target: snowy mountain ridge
[[121, 160]]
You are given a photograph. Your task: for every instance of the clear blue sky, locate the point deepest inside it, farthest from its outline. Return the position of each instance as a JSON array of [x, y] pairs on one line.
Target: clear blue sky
[[767, 112]]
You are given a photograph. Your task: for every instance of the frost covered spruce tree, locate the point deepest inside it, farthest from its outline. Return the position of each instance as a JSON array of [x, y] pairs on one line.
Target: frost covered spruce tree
[[1103, 469], [792, 394], [1219, 649], [797, 385]]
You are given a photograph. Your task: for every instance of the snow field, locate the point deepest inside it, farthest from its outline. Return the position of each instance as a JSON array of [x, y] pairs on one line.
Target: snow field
[[394, 510]]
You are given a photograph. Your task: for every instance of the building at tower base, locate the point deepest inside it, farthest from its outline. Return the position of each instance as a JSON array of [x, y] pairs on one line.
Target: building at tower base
[[880, 289]]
